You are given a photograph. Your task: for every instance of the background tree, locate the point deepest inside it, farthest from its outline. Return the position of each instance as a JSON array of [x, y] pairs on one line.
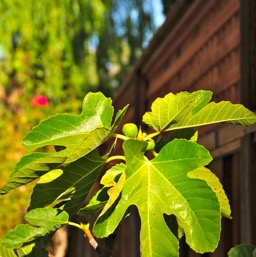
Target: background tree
[[46, 42], [61, 50], [72, 45], [127, 28]]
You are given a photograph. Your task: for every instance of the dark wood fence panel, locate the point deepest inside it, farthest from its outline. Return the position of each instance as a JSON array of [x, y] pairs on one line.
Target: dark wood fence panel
[[248, 142], [204, 44], [203, 53]]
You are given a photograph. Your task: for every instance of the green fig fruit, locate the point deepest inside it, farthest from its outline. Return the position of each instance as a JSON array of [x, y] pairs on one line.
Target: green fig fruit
[[130, 130]]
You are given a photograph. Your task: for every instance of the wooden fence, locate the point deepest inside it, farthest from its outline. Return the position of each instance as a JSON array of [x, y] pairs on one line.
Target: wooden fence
[[203, 45]]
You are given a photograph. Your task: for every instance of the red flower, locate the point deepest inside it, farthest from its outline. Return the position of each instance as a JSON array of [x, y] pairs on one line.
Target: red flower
[[39, 101]]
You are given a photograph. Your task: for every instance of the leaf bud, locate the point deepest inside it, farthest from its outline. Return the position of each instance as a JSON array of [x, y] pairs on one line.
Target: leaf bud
[[151, 144]]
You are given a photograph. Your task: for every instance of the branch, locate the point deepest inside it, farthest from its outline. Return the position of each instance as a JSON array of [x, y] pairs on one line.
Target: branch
[[88, 234]]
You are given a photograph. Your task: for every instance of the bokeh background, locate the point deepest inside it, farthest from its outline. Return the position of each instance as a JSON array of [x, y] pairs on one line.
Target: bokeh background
[[52, 52]]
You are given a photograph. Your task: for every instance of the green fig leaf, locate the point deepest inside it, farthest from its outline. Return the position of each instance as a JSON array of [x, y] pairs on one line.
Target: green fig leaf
[[71, 187], [72, 130], [242, 250], [30, 167], [185, 110], [109, 178], [96, 204], [213, 182], [26, 250], [74, 136], [43, 221], [78, 134], [47, 217], [109, 181], [161, 186], [7, 252]]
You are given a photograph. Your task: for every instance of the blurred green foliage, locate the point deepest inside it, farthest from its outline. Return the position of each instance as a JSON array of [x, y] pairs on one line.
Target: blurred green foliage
[[67, 48], [13, 127], [60, 49], [43, 50], [46, 43]]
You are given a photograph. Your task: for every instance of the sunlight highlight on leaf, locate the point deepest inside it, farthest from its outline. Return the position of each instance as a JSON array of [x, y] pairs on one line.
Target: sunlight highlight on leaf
[[50, 176], [213, 182], [185, 110]]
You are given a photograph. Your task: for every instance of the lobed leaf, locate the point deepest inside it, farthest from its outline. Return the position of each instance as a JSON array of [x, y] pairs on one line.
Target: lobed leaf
[[44, 220], [112, 185], [47, 217], [71, 187], [109, 178], [161, 186], [74, 136], [96, 204], [71, 130], [7, 252], [213, 182], [242, 250], [79, 134], [185, 110]]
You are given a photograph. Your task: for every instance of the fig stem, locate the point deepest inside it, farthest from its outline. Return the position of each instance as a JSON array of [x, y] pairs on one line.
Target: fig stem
[[119, 136], [115, 157]]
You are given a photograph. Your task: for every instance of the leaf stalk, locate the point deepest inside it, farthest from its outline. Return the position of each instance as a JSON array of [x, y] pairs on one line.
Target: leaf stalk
[[115, 135], [115, 157]]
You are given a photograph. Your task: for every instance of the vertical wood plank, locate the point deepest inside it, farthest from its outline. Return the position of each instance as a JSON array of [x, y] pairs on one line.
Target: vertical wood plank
[[248, 53], [248, 190], [248, 148]]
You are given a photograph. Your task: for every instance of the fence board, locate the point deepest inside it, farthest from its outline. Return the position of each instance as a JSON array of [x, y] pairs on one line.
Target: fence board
[[200, 46]]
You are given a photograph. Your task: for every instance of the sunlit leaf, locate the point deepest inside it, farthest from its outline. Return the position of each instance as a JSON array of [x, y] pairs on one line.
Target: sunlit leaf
[[30, 167], [31, 250], [109, 178], [6, 252], [212, 180], [185, 110], [47, 217], [114, 194], [43, 220], [113, 184], [161, 186], [50, 176], [78, 135], [72, 186], [23, 233]]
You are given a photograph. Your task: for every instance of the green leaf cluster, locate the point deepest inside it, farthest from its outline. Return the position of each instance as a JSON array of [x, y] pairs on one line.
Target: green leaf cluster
[[71, 46], [24, 236], [166, 181], [42, 221], [45, 44]]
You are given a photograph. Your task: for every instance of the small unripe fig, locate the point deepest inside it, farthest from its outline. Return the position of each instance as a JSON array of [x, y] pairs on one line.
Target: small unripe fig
[[151, 144], [130, 130]]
